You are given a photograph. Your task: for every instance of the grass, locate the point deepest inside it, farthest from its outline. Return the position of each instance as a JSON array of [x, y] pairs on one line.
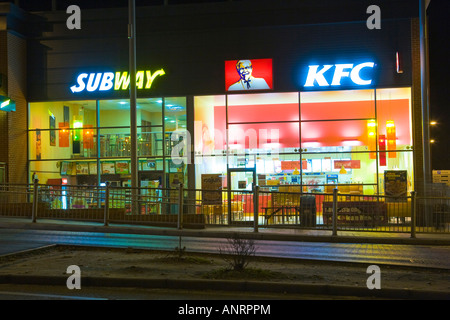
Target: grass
[[184, 259], [245, 274]]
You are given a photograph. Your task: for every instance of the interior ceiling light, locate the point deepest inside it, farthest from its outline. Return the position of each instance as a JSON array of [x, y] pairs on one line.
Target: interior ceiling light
[[172, 107]]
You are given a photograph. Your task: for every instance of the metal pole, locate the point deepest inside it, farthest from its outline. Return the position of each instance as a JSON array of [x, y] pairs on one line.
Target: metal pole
[[34, 208], [99, 169], [106, 211], [424, 84], [255, 207], [180, 206], [335, 192], [413, 214], [133, 128]]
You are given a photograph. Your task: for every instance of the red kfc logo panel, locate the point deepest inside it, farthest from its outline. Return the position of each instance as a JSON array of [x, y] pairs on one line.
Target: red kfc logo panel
[[248, 75]]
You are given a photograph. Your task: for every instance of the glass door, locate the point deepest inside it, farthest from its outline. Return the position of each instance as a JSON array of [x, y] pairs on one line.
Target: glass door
[[240, 194]]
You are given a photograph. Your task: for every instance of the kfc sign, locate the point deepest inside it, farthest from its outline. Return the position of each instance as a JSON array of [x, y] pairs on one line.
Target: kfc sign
[[334, 74], [247, 75]]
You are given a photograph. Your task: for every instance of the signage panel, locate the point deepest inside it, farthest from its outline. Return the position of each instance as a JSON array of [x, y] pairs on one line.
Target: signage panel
[[248, 75], [347, 164], [336, 75], [396, 185], [105, 81], [6, 104], [212, 189]]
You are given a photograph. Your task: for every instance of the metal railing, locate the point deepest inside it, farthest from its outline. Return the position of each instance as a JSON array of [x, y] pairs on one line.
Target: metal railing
[[182, 207]]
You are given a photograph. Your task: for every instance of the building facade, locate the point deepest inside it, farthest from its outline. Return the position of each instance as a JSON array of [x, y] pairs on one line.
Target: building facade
[[297, 93]]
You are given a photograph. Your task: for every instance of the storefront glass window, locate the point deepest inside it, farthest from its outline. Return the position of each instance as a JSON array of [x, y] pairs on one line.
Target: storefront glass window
[[114, 113], [340, 137], [206, 165], [335, 105], [325, 171], [62, 130], [150, 141], [174, 122], [115, 142], [394, 117], [266, 138], [395, 136], [69, 134], [149, 112], [266, 107], [175, 113], [350, 135], [54, 115], [209, 125]]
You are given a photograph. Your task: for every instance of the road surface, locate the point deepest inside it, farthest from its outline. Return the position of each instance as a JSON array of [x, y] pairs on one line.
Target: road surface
[[13, 240]]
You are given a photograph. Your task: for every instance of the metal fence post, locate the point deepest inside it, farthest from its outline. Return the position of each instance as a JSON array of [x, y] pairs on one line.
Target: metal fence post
[[413, 214], [255, 208], [34, 207], [106, 209], [180, 206], [335, 192]]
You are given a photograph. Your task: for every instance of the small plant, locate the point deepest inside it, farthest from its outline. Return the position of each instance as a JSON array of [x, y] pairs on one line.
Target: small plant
[[238, 251], [179, 250]]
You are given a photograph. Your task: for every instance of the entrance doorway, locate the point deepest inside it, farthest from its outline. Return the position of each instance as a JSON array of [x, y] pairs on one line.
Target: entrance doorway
[[150, 183], [240, 195]]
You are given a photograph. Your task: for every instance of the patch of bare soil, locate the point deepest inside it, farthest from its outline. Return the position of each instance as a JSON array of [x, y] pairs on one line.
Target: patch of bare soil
[[132, 263]]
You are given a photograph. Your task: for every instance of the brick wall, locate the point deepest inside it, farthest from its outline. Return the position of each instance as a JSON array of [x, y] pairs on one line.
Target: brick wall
[[17, 121], [3, 115]]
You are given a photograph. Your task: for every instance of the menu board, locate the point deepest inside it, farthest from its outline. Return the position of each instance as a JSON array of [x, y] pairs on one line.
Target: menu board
[[92, 167], [175, 178], [396, 185], [122, 167], [82, 168], [292, 165], [212, 189], [242, 184], [347, 164], [71, 169], [108, 168], [63, 169]]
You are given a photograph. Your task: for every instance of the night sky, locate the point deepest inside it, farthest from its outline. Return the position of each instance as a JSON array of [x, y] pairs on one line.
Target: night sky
[[439, 53]]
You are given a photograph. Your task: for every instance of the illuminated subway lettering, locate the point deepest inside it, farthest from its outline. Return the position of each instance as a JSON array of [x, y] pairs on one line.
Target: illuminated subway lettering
[[107, 83], [104, 81], [122, 80], [347, 70], [91, 84]]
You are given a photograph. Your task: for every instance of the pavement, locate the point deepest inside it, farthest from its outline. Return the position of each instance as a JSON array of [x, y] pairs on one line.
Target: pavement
[[276, 234], [213, 231]]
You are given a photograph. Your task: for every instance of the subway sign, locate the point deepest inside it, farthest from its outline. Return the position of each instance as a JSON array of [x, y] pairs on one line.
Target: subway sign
[[105, 81], [339, 75]]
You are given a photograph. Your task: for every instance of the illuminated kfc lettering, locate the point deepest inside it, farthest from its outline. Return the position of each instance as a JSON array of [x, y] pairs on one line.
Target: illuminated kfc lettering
[[316, 75], [119, 81]]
